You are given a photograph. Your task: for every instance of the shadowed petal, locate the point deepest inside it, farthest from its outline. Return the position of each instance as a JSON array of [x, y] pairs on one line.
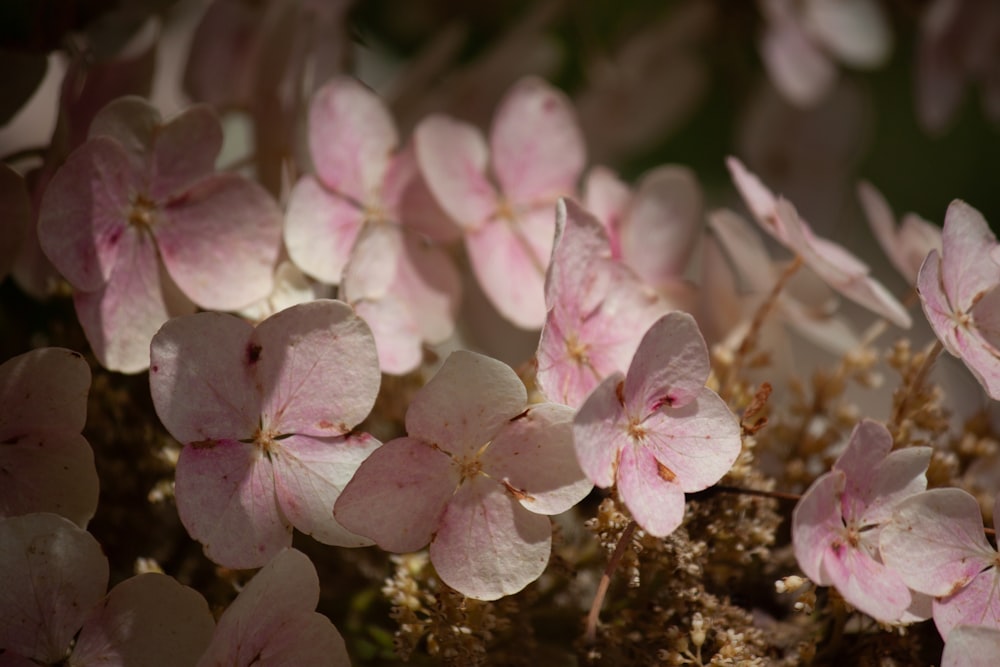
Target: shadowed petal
[[320, 230]]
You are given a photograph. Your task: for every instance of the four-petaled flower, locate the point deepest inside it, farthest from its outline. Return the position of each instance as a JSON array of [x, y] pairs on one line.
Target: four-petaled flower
[[475, 476], [658, 432]]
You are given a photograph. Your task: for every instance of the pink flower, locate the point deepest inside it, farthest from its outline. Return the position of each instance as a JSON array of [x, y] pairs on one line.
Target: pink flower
[[936, 543], [45, 464], [356, 224], [906, 246], [836, 525], [265, 415], [140, 226], [54, 576], [598, 310], [273, 621], [971, 646], [958, 291], [536, 153], [475, 476], [658, 431], [838, 268]]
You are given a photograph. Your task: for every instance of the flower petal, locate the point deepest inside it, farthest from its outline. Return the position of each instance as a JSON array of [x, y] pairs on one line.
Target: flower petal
[[670, 366], [599, 431], [398, 494], [655, 501], [816, 522], [487, 545], [184, 151], [975, 604], [320, 230], [310, 473], [971, 646], [318, 368], [226, 500], [966, 268], [466, 403], [45, 388]]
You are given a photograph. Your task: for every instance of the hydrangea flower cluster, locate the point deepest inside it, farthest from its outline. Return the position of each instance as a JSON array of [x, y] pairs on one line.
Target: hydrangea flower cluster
[[385, 357]]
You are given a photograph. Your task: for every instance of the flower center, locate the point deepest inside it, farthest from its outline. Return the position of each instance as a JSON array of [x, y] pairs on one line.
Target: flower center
[[636, 430], [576, 350], [143, 212], [265, 440], [469, 468]]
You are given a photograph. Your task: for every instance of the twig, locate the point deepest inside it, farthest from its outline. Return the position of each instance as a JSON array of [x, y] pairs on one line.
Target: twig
[[602, 587]]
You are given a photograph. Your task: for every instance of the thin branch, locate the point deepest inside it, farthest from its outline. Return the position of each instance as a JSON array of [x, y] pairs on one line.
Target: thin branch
[[602, 587]]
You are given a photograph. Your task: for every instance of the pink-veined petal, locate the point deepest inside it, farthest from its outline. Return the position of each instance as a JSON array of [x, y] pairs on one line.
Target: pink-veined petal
[[396, 332], [816, 522], [579, 272], [310, 473], [428, 282], [966, 268], [655, 501], [757, 197], [452, 156], [868, 446], [971, 646], [533, 457], [902, 474], [84, 213], [149, 619], [599, 431], [670, 366], [318, 368], [538, 148], [662, 225], [226, 500], [487, 545], [936, 542], [184, 151], [397, 496], [272, 621], [53, 573], [607, 197], [466, 403], [935, 302], [351, 138], [320, 230], [696, 442], [45, 388], [131, 121], [121, 317], [867, 584], [48, 470], [220, 240], [201, 378], [372, 266], [978, 603]]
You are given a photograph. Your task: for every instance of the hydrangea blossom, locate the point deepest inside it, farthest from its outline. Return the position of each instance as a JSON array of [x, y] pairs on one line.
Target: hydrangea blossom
[[355, 224], [959, 295], [907, 245], [53, 578], [46, 465], [840, 269], [657, 431], [837, 523], [143, 230], [598, 310], [536, 153], [265, 415], [273, 622], [936, 543], [475, 476]]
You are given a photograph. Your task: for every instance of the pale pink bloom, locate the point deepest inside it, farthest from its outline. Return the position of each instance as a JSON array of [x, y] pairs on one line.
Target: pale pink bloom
[[475, 476], [54, 576], [959, 295], [143, 230], [837, 523], [959, 45], [46, 465], [598, 310], [265, 415], [840, 269], [907, 245], [273, 621], [358, 223], [936, 543], [971, 646], [653, 230], [657, 431], [536, 154], [803, 41]]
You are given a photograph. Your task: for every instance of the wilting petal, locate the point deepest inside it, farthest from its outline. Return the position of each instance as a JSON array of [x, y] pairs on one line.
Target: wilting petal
[[538, 149], [320, 230], [318, 367], [651, 494], [309, 474], [466, 403], [45, 388], [534, 459], [150, 620], [54, 572], [975, 604], [202, 378], [487, 545], [226, 500], [398, 494]]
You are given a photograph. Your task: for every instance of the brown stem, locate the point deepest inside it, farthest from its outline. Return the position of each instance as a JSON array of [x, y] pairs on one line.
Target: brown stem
[[776, 495], [915, 382], [602, 587]]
